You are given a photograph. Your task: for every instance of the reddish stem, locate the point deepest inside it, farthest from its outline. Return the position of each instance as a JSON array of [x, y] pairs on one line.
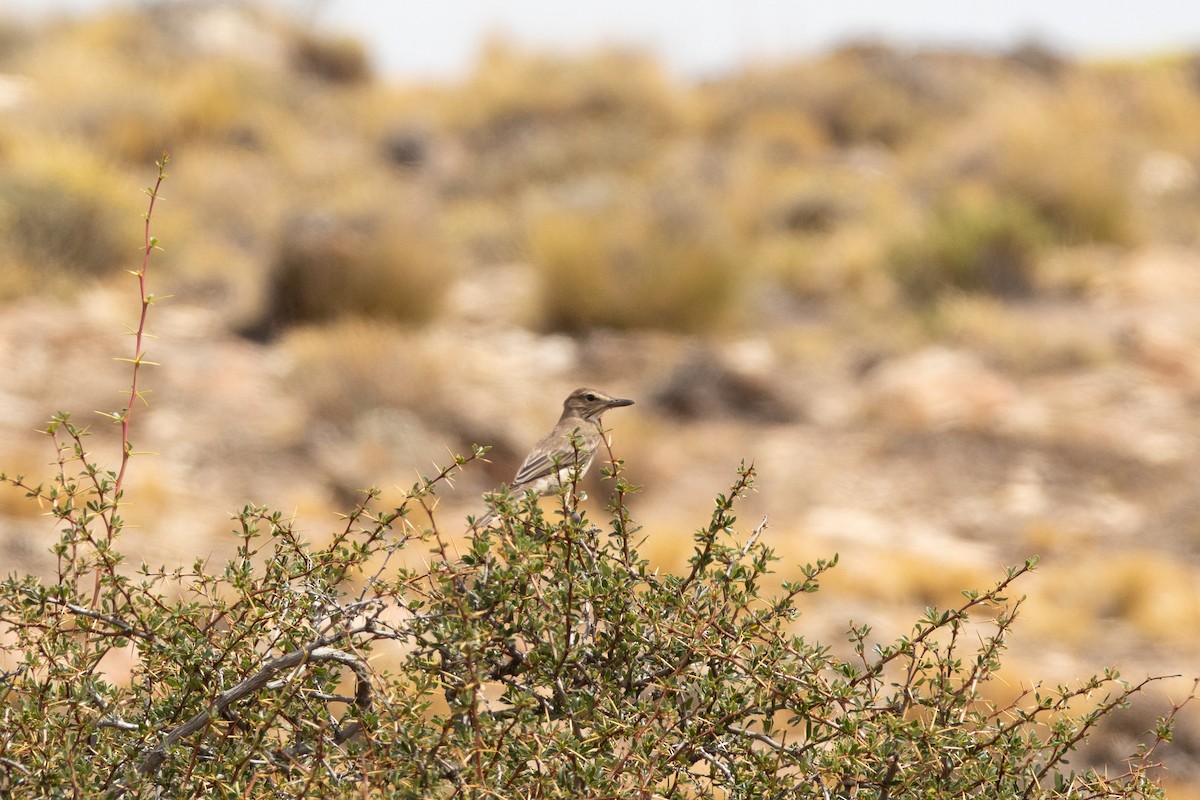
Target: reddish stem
[[139, 335]]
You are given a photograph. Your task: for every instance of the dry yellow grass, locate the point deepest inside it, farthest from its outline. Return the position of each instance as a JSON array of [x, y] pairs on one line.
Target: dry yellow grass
[[1154, 596]]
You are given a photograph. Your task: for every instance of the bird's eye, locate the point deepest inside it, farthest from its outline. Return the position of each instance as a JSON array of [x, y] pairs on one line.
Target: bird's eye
[[591, 398]]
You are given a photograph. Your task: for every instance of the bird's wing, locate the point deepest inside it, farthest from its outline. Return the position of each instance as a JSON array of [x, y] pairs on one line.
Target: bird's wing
[[536, 465], [540, 461]]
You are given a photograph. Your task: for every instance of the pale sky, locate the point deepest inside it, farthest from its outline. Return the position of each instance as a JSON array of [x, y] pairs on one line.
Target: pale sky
[[702, 36], [699, 37]]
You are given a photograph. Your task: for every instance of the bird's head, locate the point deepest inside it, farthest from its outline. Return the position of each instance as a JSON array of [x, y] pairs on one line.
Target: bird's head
[[589, 404]]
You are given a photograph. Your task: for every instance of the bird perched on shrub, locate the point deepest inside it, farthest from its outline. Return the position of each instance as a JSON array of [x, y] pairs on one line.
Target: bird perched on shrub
[[566, 452]]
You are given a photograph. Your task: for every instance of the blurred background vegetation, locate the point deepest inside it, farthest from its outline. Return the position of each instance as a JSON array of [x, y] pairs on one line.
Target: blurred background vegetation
[[947, 301]]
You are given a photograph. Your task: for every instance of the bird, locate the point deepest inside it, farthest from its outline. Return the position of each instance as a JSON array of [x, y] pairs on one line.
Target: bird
[[566, 452]]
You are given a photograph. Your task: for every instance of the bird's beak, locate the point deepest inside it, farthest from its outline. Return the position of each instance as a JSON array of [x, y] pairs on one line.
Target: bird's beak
[[617, 402]]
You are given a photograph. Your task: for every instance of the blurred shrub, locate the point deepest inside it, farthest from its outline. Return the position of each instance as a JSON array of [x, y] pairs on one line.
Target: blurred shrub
[[15, 37], [385, 267], [989, 245], [51, 228], [813, 210], [1155, 595], [662, 259], [59, 221], [1155, 102], [777, 135], [487, 229], [1063, 154], [861, 94], [540, 117], [510, 87], [118, 84], [873, 93], [1080, 195], [221, 103], [841, 265], [134, 129], [337, 59]]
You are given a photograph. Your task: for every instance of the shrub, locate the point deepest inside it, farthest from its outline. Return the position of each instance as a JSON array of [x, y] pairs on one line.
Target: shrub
[[1062, 157], [860, 94], [373, 266], [548, 661], [1083, 199], [656, 260], [545, 117], [510, 89], [989, 246], [53, 225]]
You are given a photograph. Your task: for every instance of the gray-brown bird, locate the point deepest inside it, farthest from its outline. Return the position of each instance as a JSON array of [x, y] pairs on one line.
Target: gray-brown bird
[[566, 453]]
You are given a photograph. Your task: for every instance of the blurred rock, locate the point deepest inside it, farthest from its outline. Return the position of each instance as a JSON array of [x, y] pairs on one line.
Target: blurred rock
[[938, 388], [337, 59], [1165, 173], [221, 29], [15, 90], [407, 146], [499, 296], [706, 383], [1153, 302]]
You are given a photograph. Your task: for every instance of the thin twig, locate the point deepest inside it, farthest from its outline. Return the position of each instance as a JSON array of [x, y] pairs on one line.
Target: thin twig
[[139, 352]]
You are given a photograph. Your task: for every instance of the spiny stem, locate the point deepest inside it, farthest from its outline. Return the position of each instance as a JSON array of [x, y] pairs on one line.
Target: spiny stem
[[140, 333]]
